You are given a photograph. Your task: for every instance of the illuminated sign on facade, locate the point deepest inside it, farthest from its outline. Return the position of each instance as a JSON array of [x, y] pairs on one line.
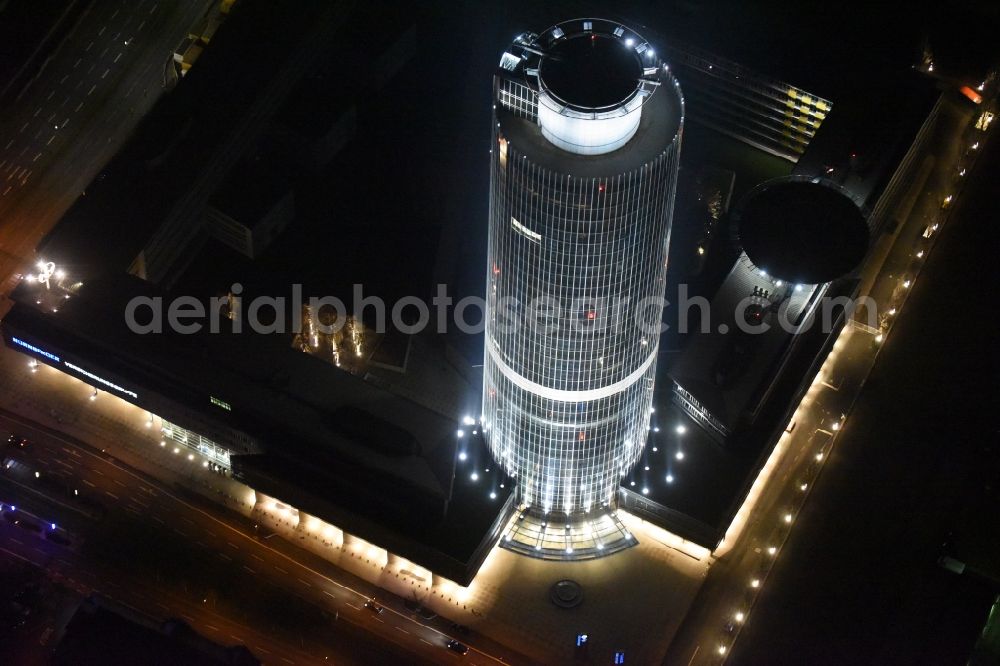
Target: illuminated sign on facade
[[100, 380], [220, 403], [33, 348]]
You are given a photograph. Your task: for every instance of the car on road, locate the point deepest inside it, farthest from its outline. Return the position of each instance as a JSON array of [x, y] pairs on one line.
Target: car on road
[[18, 442], [373, 607], [459, 648]]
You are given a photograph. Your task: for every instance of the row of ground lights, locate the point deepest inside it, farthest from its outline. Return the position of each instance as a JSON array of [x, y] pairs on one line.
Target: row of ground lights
[[740, 614]]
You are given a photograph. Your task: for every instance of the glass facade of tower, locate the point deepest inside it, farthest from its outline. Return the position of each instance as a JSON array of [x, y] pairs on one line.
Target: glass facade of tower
[[577, 265]]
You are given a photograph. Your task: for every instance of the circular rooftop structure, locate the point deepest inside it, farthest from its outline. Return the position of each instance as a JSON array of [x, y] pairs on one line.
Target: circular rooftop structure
[[591, 71], [592, 78], [805, 231]]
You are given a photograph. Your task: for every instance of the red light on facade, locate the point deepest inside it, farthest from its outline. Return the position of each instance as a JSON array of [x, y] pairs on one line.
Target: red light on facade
[[591, 315], [583, 436], [496, 270], [600, 188], [971, 94]]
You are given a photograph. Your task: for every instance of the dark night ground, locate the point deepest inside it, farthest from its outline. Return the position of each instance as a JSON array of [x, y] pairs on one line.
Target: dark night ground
[[857, 582]]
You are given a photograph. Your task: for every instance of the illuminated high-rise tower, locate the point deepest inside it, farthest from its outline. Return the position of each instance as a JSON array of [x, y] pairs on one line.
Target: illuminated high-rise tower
[[587, 129]]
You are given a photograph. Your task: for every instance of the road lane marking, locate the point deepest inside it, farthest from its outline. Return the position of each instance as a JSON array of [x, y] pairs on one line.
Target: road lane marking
[[305, 582], [91, 89], [225, 557], [249, 570], [280, 569], [183, 534], [329, 594], [422, 640], [353, 606], [213, 628], [89, 483], [255, 555], [260, 649], [233, 545], [111, 494], [157, 519], [400, 629]]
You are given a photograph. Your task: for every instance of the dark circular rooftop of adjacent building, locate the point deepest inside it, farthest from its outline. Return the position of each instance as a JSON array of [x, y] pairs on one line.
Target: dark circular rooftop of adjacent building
[[590, 71], [802, 231]]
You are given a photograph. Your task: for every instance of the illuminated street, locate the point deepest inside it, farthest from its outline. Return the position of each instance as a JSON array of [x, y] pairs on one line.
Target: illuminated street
[[783, 489], [194, 529], [78, 111]]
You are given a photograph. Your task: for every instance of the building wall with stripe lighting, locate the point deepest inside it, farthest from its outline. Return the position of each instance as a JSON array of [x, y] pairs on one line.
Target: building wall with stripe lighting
[[771, 115]]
